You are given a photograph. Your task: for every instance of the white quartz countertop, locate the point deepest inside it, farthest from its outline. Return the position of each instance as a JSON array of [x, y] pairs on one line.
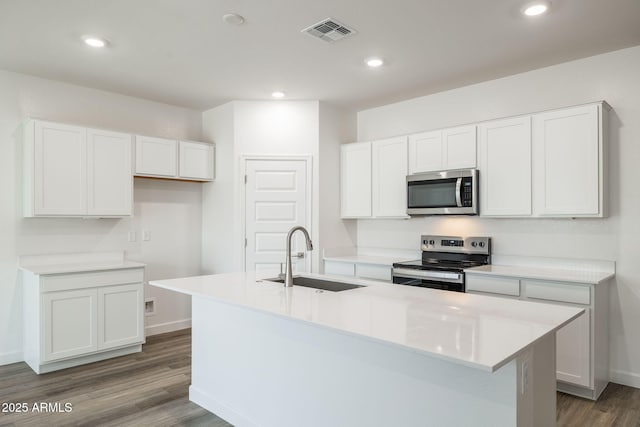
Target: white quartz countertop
[[81, 267], [473, 330], [540, 273]]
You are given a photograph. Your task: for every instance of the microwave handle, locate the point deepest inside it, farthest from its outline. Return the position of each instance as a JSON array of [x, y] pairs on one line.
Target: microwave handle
[[458, 189]]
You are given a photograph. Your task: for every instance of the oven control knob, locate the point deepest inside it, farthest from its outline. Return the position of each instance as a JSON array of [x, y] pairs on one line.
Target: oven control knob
[[432, 242], [474, 244], [481, 244]]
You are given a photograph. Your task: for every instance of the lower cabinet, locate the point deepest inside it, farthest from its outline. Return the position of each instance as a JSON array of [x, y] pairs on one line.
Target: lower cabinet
[[77, 318], [582, 347], [358, 270]]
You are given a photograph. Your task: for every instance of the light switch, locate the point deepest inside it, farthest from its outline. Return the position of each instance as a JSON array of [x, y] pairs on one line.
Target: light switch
[[146, 235]]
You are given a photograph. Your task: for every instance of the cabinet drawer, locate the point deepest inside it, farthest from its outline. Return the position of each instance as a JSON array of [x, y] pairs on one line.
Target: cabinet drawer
[[61, 282], [493, 284], [339, 268], [552, 291], [375, 272]]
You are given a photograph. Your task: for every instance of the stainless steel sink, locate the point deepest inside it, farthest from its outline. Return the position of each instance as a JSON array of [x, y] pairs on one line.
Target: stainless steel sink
[[325, 285]]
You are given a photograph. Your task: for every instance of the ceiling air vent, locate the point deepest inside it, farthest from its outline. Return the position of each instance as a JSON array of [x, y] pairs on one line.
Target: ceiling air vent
[[329, 30]]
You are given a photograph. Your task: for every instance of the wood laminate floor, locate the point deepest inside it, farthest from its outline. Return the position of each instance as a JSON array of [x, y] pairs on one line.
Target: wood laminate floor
[[151, 389]]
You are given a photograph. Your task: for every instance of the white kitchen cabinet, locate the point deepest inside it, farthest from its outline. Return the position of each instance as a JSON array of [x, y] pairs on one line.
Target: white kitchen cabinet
[[389, 178], [75, 171], [196, 160], [355, 180], [453, 148], [573, 353], [69, 322], [109, 174], [582, 358], [56, 165], [156, 156], [569, 160], [425, 152], [81, 317], [504, 165], [360, 270], [172, 159]]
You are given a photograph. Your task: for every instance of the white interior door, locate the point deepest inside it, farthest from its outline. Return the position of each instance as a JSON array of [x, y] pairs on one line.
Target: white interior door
[[275, 200]]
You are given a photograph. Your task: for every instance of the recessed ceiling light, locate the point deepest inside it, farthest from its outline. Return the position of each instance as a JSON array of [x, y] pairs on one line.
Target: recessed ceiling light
[[233, 19], [277, 95], [94, 41], [374, 62], [536, 8]]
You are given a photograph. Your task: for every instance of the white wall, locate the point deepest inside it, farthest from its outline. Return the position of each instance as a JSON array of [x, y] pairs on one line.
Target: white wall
[[173, 251], [243, 128], [612, 77]]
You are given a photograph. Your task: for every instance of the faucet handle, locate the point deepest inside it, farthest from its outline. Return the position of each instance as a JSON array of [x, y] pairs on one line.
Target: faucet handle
[[281, 275]]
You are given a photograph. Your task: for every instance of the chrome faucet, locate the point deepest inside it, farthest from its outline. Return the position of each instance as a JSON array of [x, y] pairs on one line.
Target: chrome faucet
[[288, 277]]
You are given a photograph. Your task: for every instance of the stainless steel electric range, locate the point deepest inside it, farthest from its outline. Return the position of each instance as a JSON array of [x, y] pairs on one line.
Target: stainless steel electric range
[[444, 259]]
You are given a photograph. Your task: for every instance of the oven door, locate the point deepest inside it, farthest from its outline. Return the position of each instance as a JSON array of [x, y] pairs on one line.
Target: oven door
[[445, 280]]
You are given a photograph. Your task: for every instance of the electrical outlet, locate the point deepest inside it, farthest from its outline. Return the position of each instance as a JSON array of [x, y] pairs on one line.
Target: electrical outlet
[[146, 235], [524, 377], [132, 236], [150, 307]]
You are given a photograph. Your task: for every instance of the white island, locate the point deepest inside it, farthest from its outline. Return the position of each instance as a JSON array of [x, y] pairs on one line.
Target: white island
[[380, 355]]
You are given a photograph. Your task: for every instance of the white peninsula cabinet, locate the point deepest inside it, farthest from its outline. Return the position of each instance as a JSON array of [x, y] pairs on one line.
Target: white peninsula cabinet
[[75, 171], [453, 148], [77, 314], [373, 179], [582, 346], [173, 159]]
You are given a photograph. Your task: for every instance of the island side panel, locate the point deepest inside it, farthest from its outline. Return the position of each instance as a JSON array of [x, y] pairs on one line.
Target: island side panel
[[253, 368]]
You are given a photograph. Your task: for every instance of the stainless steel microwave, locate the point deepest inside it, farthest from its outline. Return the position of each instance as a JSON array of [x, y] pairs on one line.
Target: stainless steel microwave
[[452, 192]]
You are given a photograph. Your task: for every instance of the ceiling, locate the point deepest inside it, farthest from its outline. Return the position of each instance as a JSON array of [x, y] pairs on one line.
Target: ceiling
[[181, 52]]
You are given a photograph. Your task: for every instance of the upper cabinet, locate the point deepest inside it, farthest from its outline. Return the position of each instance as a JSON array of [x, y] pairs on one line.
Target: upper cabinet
[[75, 171], [453, 148], [373, 179], [504, 165], [568, 158], [156, 156], [168, 158], [549, 164], [196, 160], [389, 177], [355, 180]]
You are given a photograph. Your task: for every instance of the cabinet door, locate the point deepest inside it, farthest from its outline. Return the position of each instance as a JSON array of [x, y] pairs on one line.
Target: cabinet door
[[196, 160], [504, 163], [567, 162], [573, 353], [120, 315], [60, 169], [355, 180], [389, 173], [425, 152], [69, 323], [156, 156], [459, 147], [109, 175]]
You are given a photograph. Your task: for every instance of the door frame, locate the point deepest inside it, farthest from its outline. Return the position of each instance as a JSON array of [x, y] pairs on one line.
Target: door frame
[[244, 158]]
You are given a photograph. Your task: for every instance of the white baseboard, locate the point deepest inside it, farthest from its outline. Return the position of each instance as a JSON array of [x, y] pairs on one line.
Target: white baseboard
[[625, 378], [162, 328], [9, 358], [218, 408]]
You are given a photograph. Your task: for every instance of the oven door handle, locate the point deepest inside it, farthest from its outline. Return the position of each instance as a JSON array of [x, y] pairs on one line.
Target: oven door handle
[[458, 190], [422, 274]]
